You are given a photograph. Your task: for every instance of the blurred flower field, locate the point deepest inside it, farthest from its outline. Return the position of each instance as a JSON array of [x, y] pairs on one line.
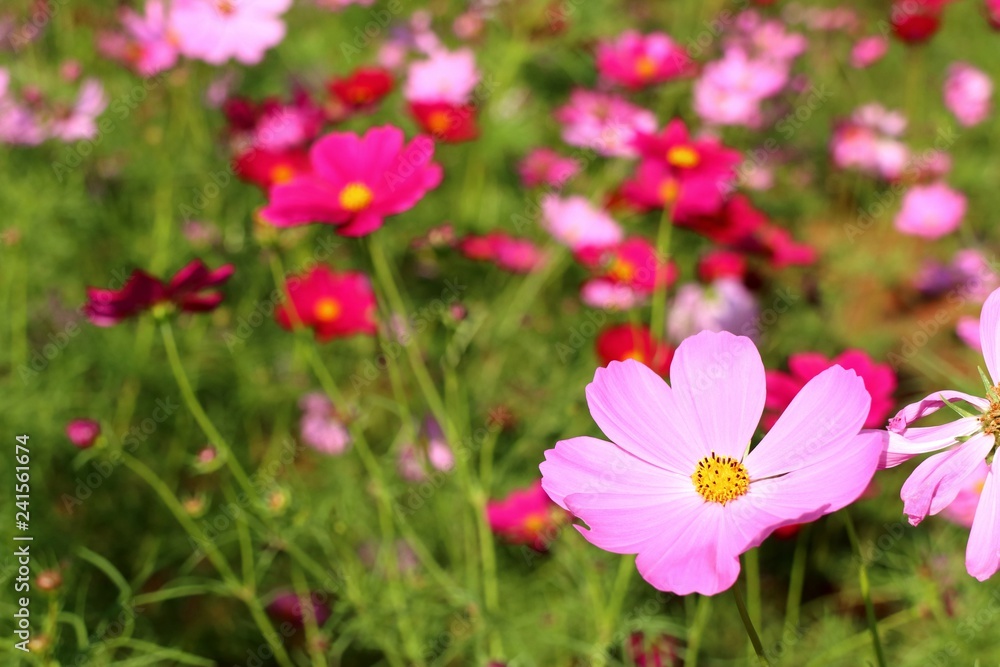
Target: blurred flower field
[[339, 332]]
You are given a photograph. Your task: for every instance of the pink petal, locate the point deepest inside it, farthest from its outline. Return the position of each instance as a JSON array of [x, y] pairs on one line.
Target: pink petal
[[937, 481], [835, 476], [636, 409], [989, 331], [826, 414], [719, 388], [303, 200], [588, 465], [694, 553], [982, 555], [930, 405], [924, 439]]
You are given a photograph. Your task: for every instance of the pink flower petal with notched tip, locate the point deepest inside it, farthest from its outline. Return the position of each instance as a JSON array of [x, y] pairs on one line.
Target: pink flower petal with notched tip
[[982, 555]]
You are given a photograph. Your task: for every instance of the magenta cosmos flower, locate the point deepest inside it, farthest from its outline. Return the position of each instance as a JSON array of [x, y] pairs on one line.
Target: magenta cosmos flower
[[83, 432], [188, 291], [676, 484], [217, 30], [356, 181], [333, 304], [635, 60], [967, 442], [526, 516]]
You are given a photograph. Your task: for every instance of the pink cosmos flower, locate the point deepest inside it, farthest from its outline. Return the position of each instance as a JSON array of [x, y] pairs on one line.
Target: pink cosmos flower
[[148, 46], [604, 123], [526, 516], [633, 263], [969, 275], [993, 13], [868, 142], [320, 426], [879, 379], [931, 211], [217, 30], [635, 60], [724, 305], [444, 77], [356, 181], [609, 295], [574, 222], [80, 122], [676, 484], [967, 94], [510, 253], [333, 304], [432, 452], [730, 90], [543, 166], [965, 444], [967, 329], [868, 51], [83, 432]]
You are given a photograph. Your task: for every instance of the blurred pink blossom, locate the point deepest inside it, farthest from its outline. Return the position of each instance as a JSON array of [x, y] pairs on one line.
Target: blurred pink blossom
[[931, 211], [634, 60], [576, 223], [216, 30], [447, 76], [967, 329], [320, 427], [148, 45], [967, 94], [544, 166], [724, 305], [868, 51], [603, 122]]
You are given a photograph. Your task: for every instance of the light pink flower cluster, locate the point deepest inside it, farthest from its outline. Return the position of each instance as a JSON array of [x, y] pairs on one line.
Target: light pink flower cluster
[[214, 31], [757, 59], [446, 76], [968, 93], [869, 141], [603, 122], [28, 118]]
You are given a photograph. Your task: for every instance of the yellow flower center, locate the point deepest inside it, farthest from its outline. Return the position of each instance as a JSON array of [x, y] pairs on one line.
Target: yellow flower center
[[226, 7], [669, 191], [438, 122], [355, 197], [282, 174], [636, 355], [645, 67], [622, 270], [326, 310], [683, 157], [720, 479]]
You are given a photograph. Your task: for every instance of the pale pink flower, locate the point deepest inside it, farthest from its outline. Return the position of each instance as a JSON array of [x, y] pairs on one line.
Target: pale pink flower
[[931, 211], [447, 76], [604, 123], [968, 93], [544, 166], [730, 91], [217, 30], [724, 305], [868, 51], [80, 123], [965, 445], [147, 46], [962, 509], [676, 484], [320, 426], [967, 330], [576, 223], [609, 295]]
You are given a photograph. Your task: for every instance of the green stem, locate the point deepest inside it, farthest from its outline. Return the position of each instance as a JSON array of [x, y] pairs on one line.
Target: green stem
[[741, 606], [659, 307], [797, 578], [866, 595], [701, 615], [199, 412]]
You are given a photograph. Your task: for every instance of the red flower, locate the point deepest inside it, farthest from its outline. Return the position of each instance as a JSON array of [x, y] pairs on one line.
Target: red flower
[[265, 168], [916, 21], [83, 432], [186, 291], [722, 264], [631, 341], [445, 121], [335, 305], [362, 88]]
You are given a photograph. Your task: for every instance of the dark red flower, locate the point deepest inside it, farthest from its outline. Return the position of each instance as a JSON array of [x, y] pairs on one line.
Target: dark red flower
[[362, 88], [287, 607], [186, 291], [632, 341], [916, 21], [654, 651], [445, 121], [993, 13], [265, 168]]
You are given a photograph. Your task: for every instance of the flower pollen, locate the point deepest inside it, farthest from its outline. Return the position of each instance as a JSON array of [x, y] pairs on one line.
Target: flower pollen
[[720, 479], [683, 157], [355, 197], [327, 310]]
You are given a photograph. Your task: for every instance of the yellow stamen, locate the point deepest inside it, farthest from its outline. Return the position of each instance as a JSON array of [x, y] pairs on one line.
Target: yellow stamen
[[669, 191], [622, 270], [720, 479], [326, 310], [645, 67], [355, 197], [438, 122], [683, 157], [282, 174]]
